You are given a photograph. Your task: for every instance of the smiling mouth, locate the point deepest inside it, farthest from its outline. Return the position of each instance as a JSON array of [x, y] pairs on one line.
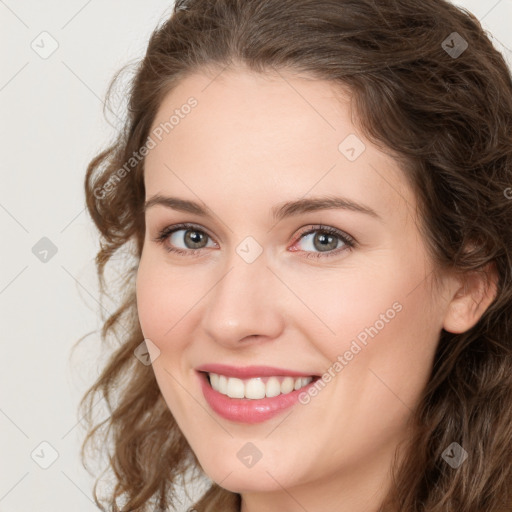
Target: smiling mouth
[[257, 388]]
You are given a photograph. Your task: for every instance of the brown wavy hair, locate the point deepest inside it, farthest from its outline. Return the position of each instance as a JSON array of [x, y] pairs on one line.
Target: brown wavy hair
[[446, 119]]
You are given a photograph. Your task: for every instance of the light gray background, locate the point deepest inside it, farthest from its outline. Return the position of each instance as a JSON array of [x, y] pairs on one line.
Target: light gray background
[[52, 125]]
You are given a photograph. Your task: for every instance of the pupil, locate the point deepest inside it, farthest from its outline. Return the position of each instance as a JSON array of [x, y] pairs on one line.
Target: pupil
[[194, 237], [324, 241]]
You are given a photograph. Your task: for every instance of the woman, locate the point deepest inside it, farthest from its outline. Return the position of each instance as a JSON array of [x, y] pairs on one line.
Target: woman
[[318, 316]]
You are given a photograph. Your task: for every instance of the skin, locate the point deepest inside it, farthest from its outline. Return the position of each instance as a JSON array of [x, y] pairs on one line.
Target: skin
[[252, 142]]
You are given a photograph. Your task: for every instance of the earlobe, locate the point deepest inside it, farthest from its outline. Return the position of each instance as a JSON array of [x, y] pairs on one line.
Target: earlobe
[[471, 300]]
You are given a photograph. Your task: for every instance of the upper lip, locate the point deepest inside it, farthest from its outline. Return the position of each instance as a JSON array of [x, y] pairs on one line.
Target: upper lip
[[247, 372]]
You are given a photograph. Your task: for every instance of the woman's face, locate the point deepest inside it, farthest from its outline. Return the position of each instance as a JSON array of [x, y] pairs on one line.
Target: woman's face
[[260, 287]]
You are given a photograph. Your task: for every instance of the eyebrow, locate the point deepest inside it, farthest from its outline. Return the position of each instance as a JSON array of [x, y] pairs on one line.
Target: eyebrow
[[279, 212]]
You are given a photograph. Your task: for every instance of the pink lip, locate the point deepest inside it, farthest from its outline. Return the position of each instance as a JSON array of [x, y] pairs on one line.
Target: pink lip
[[245, 410], [247, 372]]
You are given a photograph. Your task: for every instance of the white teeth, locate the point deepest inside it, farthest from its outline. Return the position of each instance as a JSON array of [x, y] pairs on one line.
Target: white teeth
[[256, 388], [223, 385], [273, 387], [287, 385], [235, 388], [214, 379]]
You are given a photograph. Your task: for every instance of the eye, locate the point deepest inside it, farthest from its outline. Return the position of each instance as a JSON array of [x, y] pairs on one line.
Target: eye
[[192, 237], [326, 240]]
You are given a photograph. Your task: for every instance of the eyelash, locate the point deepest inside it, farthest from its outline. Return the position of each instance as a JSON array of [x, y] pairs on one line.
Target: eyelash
[[349, 242]]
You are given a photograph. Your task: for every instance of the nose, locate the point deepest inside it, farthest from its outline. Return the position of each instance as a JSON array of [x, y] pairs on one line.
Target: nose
[[245, 304]]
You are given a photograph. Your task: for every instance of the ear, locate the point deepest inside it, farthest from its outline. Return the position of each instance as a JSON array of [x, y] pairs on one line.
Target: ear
[[471, 299]]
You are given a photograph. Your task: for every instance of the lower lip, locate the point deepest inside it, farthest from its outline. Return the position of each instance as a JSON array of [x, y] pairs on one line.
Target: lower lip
[[245, 410]]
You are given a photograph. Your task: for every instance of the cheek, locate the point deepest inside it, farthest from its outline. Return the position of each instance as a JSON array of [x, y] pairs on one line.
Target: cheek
[[168, 301], [385, 291], [385, 330], [394, 348], [160, 300], [160, 308], [348, 302]]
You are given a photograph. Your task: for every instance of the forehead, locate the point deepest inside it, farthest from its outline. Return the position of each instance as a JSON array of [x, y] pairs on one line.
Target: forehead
[[267, 137]]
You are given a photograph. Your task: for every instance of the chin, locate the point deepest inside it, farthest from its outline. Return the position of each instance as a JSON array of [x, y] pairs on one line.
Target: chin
[[263, 476]]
